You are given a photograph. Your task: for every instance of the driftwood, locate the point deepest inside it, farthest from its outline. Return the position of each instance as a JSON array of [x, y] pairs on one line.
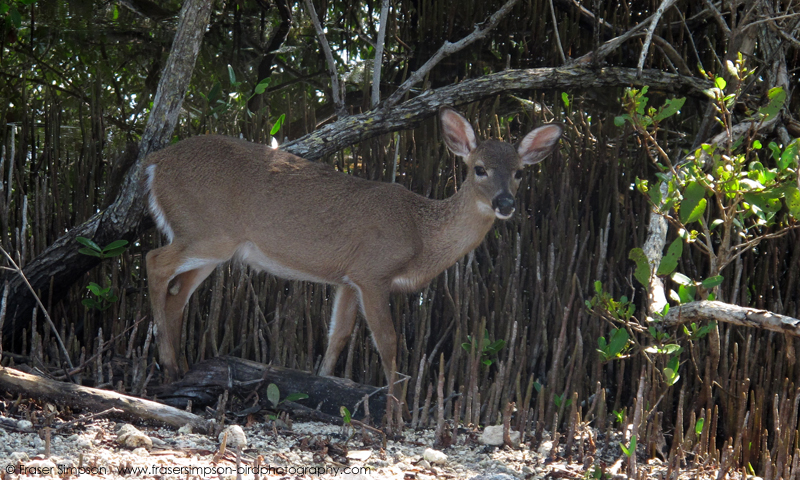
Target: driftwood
[[207, 380], [724, 312], [94, 399]]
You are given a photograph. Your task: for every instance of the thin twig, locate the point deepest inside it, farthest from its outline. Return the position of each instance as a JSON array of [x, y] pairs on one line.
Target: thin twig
[[650, 30], [376, 68], [44, 311], [338, 103], [481, 30], [555, 30]]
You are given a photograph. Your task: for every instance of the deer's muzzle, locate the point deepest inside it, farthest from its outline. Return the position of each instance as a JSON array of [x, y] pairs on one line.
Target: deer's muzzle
[[503, 205]]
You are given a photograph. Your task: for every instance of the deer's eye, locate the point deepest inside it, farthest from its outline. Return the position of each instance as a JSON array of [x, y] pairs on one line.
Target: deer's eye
[[480, 171], [518, 175]]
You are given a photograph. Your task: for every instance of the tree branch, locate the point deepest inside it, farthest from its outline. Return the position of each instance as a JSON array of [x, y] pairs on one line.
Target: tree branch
[[326, 49], [356, 128], [448, 48], [705, 310], [376, 68]]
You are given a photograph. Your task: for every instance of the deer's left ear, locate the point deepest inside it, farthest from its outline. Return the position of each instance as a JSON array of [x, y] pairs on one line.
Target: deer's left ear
[[457, 132], [539, 143]]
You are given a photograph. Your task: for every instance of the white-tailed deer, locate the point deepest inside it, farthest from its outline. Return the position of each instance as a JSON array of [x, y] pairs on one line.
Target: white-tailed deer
[[218, 198]]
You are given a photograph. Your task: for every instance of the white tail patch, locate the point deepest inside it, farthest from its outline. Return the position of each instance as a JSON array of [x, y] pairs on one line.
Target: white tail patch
[[155, 208]]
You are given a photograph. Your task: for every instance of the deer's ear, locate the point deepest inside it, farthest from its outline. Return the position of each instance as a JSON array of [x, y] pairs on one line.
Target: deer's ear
[[458, 133], [539, 143]]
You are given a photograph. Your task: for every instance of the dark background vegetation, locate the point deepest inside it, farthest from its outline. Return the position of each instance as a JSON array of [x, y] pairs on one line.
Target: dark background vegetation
[[77, 79]]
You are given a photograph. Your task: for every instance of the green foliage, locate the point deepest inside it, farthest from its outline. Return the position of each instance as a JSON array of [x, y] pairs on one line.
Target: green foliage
[[619, 416], [603, 303], [616, 346], [669, 262], [490, 348], [278, 124], [559, 399], [274, 396], [631, 448], [671, 371], [345, 413], [722, 198], [642, 272], [698, 426], [694, 332], [113, 249], [103, 298], [634, 102]]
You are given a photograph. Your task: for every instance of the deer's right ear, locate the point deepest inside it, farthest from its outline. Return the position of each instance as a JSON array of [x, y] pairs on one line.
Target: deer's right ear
[[457, 131]]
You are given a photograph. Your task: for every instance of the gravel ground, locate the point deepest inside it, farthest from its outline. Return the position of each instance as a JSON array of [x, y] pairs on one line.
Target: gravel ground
[[102, 448]]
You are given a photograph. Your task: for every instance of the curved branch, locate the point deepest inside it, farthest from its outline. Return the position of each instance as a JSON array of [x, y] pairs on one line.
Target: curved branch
[[357, 128], [448, 48]]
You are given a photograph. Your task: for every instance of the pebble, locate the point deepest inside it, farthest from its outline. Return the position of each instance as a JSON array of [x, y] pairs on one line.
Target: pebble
[[236, 436], [434, 456], [493, 435], [131, 437]]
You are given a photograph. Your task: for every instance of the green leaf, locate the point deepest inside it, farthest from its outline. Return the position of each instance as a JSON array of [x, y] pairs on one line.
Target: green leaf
[[565, 99], [88, 243], [215, 92], [776, 151], [681, 279], [114, 253], [115, 245], [642, 272], [94, 288], [670, 108], [698, 426], [89, 303], [789, 155], [694, 204], [670, 261], [278, 124], [712, 282], [620, 120], [618, 342], [232, 78], [293, 397], [792, 197], [720, 83], [686, 294], [756, 144], [90, 252], [262, 86], [16, 18], [273, 394], [345, 413], [777, 96]]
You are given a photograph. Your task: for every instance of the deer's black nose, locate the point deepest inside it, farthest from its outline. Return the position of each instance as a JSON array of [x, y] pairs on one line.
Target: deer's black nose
[[503, 205]]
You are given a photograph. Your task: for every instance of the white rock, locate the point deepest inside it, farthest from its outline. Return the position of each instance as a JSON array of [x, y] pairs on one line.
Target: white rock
[[434, 456], [360, 455], [131, 437], [186, 429], [18, 457], [493, 435], [41, 468], [236, 437], [142, 452], [25, 425]]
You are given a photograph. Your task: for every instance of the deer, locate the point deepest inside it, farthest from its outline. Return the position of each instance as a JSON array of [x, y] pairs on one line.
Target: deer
[[219, 198]]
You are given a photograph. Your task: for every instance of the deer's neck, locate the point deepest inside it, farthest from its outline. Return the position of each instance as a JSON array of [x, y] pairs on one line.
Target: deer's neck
[[456, 226]]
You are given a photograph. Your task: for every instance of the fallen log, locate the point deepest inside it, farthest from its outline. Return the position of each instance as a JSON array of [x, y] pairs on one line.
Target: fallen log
[[207, 380], [95, 399]]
